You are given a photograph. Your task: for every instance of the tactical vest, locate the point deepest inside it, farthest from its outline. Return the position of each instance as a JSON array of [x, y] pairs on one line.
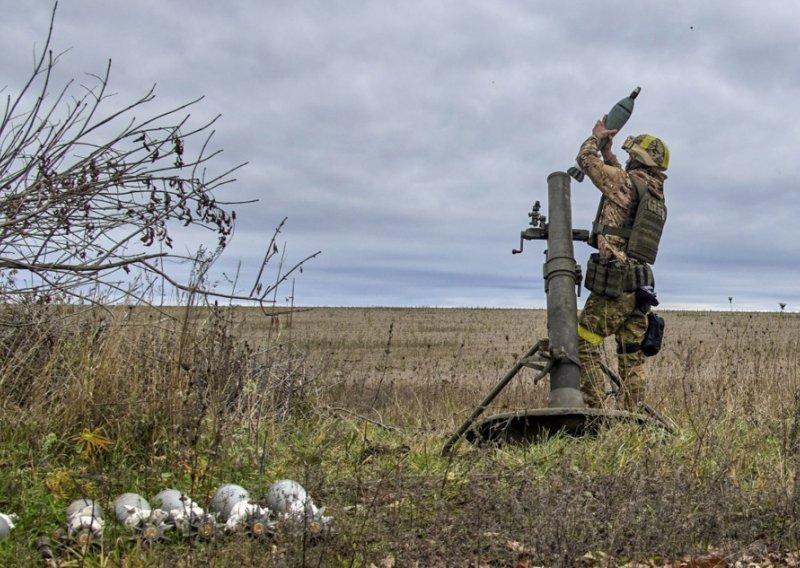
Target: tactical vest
[[643, 225]]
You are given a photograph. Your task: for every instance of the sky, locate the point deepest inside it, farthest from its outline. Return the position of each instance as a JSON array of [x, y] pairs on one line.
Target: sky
[[407, 141]]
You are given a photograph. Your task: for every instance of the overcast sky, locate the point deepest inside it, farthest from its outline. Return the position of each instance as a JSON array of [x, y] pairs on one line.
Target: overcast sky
[[408, 140]]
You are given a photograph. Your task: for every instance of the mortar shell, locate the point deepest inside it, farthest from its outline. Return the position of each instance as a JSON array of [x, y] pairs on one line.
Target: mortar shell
[[170, 500], [288, 496], [86, 506], [206, 527], [226, 497], [6, 524], [191, 520], [129, 500], [84, 521]]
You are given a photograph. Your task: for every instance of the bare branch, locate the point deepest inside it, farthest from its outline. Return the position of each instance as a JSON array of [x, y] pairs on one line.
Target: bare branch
[[87, 194]]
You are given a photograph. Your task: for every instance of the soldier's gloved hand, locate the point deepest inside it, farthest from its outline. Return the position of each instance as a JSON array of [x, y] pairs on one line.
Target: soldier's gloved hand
[[645, 298], [600, 131]]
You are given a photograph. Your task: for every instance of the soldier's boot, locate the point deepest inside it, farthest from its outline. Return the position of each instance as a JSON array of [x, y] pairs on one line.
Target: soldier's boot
[[631, 374], [592, 375]]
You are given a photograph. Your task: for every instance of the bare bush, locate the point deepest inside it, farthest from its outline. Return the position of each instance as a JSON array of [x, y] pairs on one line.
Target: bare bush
[[93, 197]]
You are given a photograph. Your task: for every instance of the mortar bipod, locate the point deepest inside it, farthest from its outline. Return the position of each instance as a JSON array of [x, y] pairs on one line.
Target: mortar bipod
[[542, 347]]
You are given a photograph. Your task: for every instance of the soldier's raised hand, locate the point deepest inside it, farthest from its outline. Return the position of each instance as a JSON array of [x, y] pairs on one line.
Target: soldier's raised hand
[[601, 131]]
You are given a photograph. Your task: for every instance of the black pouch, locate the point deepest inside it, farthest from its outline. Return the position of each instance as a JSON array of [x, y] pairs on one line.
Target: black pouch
[[651, 344], [605, 277], [645, 298]]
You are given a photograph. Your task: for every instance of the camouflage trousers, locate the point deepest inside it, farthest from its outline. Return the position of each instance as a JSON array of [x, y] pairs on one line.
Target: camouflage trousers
[[601, 317]]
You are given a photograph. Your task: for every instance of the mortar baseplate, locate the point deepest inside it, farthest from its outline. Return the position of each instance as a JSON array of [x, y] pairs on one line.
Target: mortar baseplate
[[533, 425]]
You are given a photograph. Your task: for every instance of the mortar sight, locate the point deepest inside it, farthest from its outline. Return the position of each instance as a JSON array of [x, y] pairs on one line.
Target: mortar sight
[[538, 229], [537, 219]]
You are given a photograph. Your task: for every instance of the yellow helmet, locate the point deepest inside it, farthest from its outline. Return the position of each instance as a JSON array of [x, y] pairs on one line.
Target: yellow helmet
[[648, 149]]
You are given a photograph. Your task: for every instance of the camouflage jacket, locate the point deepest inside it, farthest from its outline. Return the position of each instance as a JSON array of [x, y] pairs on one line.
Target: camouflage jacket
[[615, 184]]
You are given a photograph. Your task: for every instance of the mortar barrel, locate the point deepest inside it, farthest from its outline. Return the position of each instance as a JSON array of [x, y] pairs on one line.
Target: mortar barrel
[[562, 310]]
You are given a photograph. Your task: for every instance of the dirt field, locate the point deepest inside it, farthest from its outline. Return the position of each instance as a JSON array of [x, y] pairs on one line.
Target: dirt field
[[428, 367]]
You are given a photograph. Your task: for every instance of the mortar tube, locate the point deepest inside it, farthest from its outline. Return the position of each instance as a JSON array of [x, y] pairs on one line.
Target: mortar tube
[[560, 275]]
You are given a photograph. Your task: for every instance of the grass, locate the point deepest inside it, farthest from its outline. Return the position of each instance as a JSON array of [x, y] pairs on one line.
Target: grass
[[356, 405]]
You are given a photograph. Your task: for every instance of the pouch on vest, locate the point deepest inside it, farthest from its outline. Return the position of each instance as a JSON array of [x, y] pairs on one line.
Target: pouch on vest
[[638, 274], [651, 344], [605, 277]]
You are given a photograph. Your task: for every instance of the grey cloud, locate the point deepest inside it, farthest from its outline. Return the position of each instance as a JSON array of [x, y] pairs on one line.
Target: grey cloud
[[409, 140]]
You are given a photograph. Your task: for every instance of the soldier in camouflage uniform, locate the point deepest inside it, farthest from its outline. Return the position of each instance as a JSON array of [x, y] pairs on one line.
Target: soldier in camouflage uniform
[[620, 316]]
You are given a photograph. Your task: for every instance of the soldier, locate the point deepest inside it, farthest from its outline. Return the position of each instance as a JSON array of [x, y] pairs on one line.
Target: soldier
[[626, 233]]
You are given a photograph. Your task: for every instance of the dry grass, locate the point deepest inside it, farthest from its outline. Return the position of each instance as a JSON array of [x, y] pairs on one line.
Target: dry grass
[[356, 404], [423, 368], [429, 367]]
